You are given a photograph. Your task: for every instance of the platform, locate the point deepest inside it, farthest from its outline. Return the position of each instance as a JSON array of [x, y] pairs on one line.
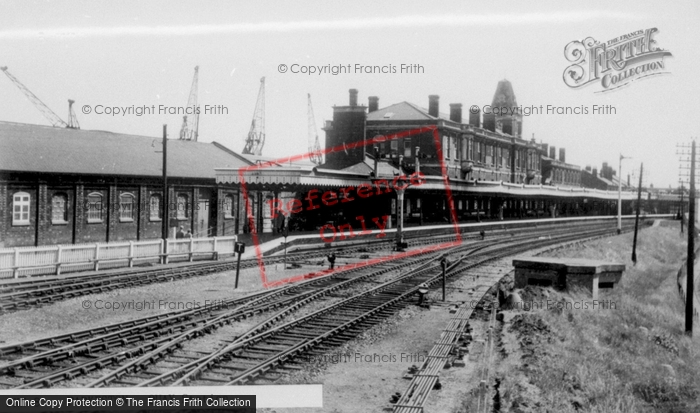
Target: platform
[[565, 273]]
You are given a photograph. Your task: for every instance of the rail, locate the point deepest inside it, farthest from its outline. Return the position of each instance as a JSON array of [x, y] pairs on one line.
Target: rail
[[55, 259]]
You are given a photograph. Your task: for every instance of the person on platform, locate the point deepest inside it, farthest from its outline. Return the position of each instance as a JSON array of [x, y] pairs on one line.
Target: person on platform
[[180, 233], [189, 234], [331, 260]]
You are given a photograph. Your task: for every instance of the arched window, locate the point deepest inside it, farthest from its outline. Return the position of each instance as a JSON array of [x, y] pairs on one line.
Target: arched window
[[183, 206], [20, 208], [229, 206], [59, 209], [94, 203], [126, 207], [155, 213]]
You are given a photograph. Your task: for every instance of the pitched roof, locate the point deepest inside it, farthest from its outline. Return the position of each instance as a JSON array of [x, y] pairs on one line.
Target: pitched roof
[[367, 166], [402, 111], [37, 148], [504, 96]]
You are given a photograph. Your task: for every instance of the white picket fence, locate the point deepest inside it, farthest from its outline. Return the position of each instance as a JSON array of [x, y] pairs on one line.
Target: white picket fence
[[57, 259]]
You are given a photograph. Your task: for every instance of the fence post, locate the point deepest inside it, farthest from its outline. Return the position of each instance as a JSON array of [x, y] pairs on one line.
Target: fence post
[[166, 248], [191, 248], [59, 256], [15, 271], [97, 257], [131, 254]]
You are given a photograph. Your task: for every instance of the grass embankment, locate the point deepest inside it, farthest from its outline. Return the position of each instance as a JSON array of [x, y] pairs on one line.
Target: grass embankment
[[631, 357]]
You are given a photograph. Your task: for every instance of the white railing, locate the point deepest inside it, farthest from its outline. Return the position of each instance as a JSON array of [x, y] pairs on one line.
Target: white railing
[[27, 261]]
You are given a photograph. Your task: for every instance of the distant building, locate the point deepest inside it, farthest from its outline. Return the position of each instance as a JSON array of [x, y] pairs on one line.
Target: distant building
[[607, 179], [559, 173]]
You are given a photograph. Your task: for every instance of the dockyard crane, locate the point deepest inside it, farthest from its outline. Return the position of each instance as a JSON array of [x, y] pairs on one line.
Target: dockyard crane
[[256, 137], [190, 123], [55, 120], [72, 119], [315, 155]]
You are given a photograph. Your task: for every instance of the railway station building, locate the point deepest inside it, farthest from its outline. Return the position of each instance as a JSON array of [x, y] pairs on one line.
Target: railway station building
[[492, 172], [382, 164], [70, 186]]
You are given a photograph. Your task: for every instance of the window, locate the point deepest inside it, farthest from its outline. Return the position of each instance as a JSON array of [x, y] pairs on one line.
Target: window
[[155, 212], [228, 206], [20, 208], [394, 148], [453, 148], [445, 147], [94, 213], [59, 212], [183, 206], [126, 207], [407, 147]]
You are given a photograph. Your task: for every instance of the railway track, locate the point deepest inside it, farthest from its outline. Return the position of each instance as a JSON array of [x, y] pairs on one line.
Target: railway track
[[31, 293], [104, 346], [134, 346]]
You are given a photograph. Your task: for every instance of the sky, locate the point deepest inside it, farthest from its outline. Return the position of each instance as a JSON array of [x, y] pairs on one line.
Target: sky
[[135, 53]]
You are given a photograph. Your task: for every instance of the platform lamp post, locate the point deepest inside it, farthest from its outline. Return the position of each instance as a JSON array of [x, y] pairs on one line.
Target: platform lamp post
[[619, 194], [636, 218], [402, 182]]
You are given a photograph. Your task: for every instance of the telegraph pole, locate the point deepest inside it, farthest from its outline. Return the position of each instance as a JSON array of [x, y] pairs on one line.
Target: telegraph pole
[[636, 219], [619, 195], [690, 269], [690, 276], [681, 208], [166, 212]]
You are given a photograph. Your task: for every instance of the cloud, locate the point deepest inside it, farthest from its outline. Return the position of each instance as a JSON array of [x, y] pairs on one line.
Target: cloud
[[320, 25]]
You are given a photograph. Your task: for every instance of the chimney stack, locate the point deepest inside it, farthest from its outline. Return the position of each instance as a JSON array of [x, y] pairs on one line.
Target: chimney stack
[[588, 168], [373, 103], [475, 118], [434, 106], [507, 126], [545, 148], [595, 172], [562, 154], [353, 97], [490, 122], [456, 112], [553, 152]]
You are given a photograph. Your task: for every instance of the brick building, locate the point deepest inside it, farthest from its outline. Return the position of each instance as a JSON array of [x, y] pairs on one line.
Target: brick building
[[494, 151], [557, 172], [606, 179], [62, 186]]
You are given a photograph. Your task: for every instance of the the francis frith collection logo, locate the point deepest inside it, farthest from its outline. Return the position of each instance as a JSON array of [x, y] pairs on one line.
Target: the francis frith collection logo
[[615, 63]]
